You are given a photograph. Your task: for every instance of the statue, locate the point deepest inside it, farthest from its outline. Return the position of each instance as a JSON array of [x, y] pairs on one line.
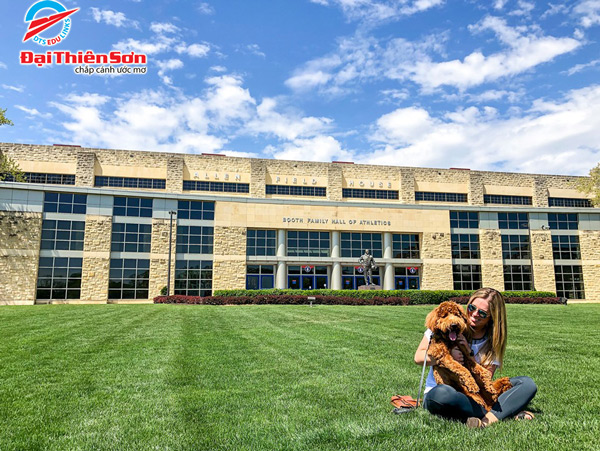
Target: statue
[[368, 264]]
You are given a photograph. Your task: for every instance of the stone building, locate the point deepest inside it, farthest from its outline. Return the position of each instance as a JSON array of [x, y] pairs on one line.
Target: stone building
[[97, 225]]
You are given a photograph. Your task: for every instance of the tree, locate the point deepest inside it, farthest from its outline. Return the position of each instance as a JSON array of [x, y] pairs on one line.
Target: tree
[[591, 185], [3, 119], [9, 169]]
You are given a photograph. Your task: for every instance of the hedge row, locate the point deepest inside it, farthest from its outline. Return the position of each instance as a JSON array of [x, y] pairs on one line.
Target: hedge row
[[296, 299], [431, 297]]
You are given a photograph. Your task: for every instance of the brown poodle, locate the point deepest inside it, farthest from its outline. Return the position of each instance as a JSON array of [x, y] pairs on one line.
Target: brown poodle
[[447, 321]]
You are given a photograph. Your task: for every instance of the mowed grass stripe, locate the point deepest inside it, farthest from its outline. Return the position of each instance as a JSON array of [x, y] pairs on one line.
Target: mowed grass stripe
[[271, 377]]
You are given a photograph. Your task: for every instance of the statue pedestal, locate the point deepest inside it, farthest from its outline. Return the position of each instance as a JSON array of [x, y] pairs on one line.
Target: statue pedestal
[[370, 287]]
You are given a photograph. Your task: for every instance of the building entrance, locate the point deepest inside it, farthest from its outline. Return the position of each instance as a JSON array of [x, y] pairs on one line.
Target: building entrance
[[407, 278], [307, 277], [352, 277]]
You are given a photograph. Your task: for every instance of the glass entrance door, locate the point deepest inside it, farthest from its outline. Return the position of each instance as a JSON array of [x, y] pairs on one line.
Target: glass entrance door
[[307, 277], [407, 278]]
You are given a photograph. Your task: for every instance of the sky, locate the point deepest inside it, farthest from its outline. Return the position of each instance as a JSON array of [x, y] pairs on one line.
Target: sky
[[500, 85]]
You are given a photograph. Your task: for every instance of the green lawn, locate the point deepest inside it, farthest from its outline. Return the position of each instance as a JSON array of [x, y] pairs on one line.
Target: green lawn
[[273, 377]]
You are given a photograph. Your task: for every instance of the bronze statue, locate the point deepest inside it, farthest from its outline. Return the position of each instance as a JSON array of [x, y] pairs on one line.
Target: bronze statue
[[368, 264]]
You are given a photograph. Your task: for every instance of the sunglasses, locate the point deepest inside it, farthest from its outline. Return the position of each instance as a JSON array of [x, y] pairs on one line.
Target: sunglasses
[[482, 314]]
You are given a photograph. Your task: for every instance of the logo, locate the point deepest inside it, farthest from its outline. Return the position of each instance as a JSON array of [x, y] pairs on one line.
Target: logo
[[41, 23]]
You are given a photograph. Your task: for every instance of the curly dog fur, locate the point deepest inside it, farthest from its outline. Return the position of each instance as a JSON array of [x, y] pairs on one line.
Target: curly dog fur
[[447, 321]]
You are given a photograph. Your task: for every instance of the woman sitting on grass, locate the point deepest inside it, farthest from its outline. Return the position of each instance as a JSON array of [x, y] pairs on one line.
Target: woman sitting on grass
[[487, 319]]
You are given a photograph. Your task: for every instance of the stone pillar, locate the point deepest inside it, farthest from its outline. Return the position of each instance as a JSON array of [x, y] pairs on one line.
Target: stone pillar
[[336, 270], [334, 182], [20, 235], [542, 261], [540, 192], [589, 244], [96, 258], [388, 278], [407, 186], [437, 261], [258, 178], [84, 175], [175, 174], [281, 282], [159, 256], [492, 269], [475, 188], [229, 253]]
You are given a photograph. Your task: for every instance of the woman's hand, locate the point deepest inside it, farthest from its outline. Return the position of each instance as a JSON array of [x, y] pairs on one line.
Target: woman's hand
[[457, 355]]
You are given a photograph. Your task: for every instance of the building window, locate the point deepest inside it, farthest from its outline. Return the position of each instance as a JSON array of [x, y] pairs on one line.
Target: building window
[[62, 235], [131, 237], [353, 277], [196, 210], [260, 277], [129, 182], [65, 203], [261, 242], [354, 244], [128, 278], [40, 177], [193, 277], [357, 193], [464, 219], [465, 245], [565, 247], [406, 278], [567, 202], [405, 246], [307, 277], [59, 278], [285, 190], [466, 277], [569, 281], [218, 187], [506, 200], [132, 206], [563, 221], [516, 247], [308, 244], [517, 278], [194, 240], [513, 221], [440, 197]]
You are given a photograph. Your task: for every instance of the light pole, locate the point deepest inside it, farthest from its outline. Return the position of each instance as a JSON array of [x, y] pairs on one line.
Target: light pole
[[171, 214]]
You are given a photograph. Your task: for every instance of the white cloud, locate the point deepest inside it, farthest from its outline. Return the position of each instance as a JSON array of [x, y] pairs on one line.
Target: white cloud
[[116, 19], [163, 27], [13, 88], [168, 65], [588, 12], [580, 67], [3, 66], [553, 137], [193, 50], [499, 4], [376, 11], [205, 8], [33, 112], [524, 8], [160, 44], [319, 148]]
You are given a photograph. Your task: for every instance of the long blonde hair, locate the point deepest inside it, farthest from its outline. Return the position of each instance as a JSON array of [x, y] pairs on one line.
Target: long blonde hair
[[496, 332]]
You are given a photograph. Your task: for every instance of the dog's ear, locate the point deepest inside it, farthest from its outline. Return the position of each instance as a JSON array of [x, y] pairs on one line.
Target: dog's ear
[[431, 320]]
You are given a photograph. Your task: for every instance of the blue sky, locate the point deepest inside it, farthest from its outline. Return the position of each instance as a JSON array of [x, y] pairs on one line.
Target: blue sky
[[509, 85]]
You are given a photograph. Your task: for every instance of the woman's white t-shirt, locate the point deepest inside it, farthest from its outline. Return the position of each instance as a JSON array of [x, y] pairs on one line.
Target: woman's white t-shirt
[[476, 345]]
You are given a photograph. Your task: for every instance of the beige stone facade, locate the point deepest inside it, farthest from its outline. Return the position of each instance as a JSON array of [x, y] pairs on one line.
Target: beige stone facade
[[237, 211]]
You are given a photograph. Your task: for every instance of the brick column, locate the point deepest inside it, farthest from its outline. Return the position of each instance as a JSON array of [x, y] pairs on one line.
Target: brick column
[[20, 235], [407, 186], [334, 182], [589, 243], [175, 174], [542, 261], [475, 188], [492, 270], [84, 175], [437, 262], [96, 258], [229, 267], [258, 178], [540, 191]]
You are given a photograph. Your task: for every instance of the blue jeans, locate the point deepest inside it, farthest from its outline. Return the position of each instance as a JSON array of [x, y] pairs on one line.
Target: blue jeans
[[446, 402]]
